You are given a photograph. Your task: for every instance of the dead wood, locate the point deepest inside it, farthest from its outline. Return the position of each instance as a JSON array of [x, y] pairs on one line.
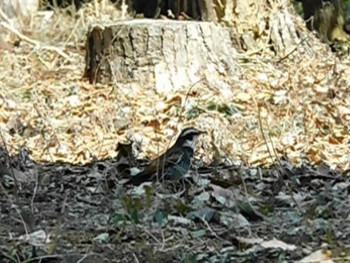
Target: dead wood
[[164, 54]]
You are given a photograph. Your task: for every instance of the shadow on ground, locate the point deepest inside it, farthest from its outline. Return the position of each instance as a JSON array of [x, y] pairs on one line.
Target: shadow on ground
[[61, 212]]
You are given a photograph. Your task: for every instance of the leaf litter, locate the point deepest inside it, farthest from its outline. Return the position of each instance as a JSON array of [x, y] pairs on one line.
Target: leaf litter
[[63, 201], [66, 212]]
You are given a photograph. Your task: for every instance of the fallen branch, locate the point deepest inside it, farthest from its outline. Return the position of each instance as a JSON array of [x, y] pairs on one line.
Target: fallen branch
[[7, 25]]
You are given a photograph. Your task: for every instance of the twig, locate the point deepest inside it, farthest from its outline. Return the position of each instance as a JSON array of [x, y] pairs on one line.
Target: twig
[[210, 229], [270, 154], [83, 258], [35, 190], [6, 24], [22, 219], [135, 257], [263, 134], [39, 259], [292, 51], [154, 238]]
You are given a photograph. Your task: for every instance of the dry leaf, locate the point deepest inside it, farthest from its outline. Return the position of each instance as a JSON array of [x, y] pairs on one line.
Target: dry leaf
[[319, 256]]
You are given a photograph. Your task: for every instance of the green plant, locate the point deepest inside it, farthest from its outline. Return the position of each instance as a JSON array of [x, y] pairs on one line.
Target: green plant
[[132, 207]]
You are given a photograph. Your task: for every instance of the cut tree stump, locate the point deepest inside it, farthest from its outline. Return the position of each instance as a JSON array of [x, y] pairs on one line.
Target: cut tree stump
[[19, 8], [164, 54]]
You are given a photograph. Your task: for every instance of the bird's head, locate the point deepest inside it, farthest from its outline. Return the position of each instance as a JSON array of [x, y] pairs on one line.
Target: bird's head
[[188, 136]]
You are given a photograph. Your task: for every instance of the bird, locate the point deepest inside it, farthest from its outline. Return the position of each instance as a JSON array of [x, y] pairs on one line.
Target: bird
[[173, 164]]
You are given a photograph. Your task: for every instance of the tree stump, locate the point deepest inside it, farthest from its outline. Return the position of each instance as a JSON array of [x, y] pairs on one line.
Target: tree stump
[[202, 10], [164, 54], [19, 8]]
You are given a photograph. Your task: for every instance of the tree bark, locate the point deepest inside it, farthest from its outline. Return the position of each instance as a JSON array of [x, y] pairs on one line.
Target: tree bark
[[189, 9], [207, 10], [268, 25], [164, 54], [19, 8], [327, 18]]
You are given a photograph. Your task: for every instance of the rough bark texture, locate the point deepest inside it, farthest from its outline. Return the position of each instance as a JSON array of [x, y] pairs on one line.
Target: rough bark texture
[[207, 10], [165, 54], [19, 8], [189, 9], [283, 32], [327, 18], [265, 25]]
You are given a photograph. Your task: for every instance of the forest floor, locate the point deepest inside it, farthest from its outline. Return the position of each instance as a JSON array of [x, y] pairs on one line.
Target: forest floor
[[280, 139], [83, 213]]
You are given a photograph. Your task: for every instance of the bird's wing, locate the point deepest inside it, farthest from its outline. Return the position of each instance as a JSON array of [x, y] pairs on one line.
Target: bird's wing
[[156, 166]]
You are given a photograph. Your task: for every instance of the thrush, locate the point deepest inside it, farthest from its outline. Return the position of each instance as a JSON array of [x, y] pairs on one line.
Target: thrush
[[173, 164]]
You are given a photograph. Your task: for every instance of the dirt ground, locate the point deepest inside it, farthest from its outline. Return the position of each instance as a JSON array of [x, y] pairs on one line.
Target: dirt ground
[[270, 182], [83, 213]]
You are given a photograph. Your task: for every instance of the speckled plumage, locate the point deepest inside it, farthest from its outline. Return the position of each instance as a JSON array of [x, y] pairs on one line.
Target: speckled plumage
[[174, 163]]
